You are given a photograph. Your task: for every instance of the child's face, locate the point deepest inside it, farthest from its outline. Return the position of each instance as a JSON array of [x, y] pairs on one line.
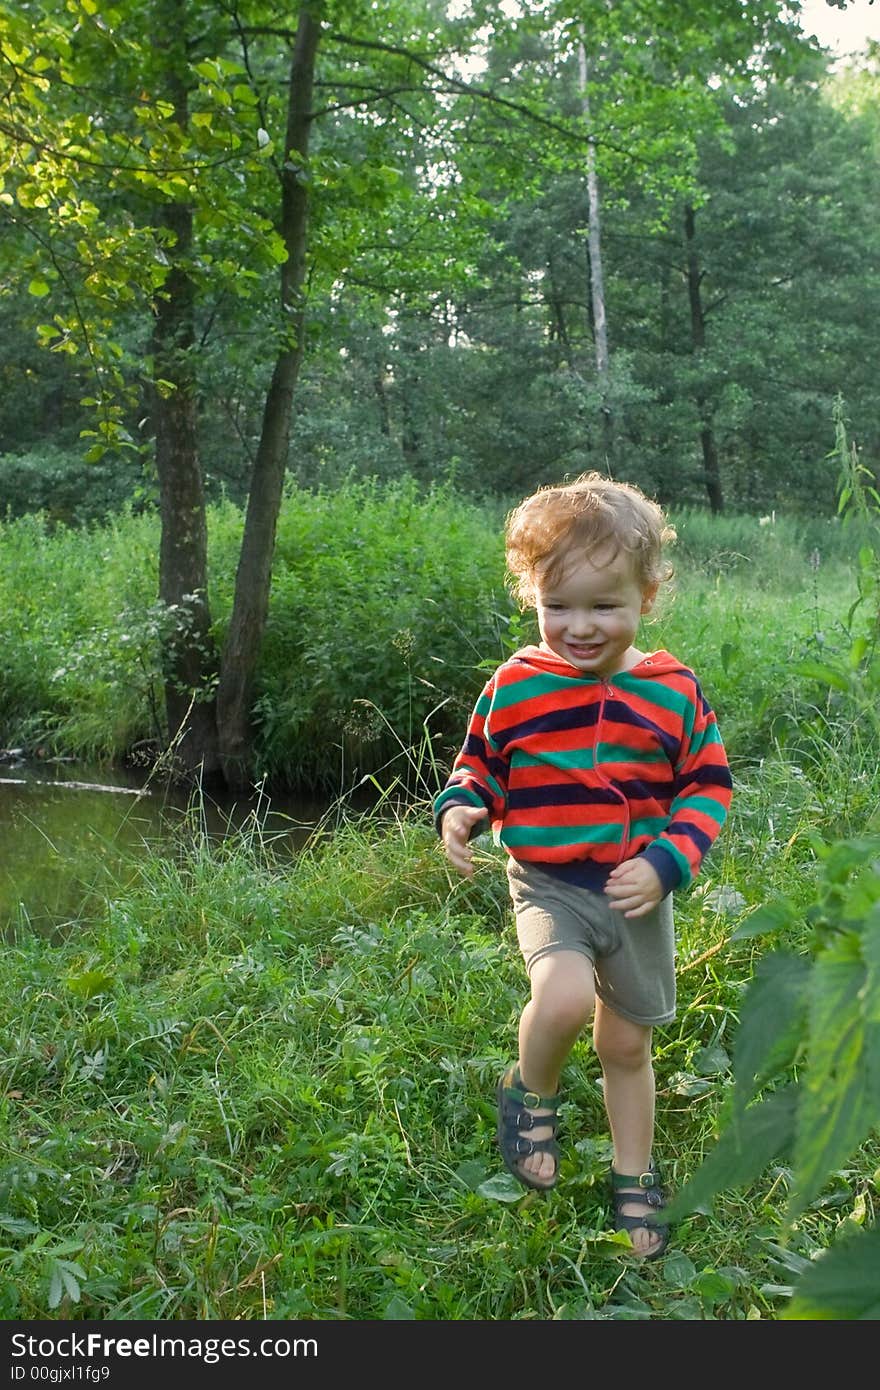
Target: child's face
[[590, 616]]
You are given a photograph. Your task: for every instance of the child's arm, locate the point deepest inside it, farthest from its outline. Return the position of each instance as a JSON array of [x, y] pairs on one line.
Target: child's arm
[[479, 774], [703, 788]]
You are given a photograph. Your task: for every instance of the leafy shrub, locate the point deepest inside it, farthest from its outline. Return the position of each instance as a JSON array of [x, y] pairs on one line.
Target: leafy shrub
[[60, 485]]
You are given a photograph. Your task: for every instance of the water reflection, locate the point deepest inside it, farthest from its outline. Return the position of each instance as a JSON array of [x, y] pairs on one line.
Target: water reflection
[[71, 833]]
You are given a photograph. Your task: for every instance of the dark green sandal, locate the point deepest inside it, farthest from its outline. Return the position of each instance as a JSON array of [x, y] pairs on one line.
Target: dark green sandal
[[650, 1194], [515, 1106]]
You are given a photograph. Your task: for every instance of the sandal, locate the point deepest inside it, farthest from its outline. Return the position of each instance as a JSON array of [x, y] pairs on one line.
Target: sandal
[[515, 1107], [650, 1194]]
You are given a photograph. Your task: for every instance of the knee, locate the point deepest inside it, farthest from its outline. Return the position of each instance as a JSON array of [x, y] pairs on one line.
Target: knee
[[627, 1051], [566, 1009]]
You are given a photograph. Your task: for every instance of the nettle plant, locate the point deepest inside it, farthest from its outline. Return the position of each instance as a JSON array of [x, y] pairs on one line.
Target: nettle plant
[[806, 1061], [806, 1073]]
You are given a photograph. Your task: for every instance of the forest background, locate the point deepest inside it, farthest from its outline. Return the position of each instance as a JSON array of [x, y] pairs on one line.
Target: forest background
[[295, 305]]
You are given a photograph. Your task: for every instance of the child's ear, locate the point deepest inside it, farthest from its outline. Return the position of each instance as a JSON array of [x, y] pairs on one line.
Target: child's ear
[[648, 596]]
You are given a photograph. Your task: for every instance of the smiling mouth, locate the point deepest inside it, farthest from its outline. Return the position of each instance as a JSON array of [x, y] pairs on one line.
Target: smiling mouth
[[585, 649]]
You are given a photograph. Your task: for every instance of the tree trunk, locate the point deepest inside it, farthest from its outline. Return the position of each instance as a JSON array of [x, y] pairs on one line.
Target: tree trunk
[[708, 446], [597, 279], [189, 659], [251, 601]]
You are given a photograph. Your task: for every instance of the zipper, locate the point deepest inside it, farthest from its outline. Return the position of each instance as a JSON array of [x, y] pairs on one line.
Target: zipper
[[624, 842]]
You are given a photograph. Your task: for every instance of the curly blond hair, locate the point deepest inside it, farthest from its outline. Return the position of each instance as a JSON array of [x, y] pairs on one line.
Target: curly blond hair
[[591, 514]]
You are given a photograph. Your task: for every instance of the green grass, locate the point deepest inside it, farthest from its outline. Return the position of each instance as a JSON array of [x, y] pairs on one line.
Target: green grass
[[387, 604], [244, 1090]]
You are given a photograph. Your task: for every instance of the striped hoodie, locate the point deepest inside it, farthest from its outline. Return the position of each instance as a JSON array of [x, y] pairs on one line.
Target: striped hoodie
[[578, 773]]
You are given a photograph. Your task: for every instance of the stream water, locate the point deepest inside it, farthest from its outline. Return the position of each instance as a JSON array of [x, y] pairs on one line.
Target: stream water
[[69, 832]]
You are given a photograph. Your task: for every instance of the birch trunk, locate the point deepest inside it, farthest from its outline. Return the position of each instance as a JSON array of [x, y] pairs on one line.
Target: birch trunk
[[597, 282]]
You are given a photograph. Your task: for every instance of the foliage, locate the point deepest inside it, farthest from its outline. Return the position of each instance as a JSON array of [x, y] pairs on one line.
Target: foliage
[[388, 600], [242, 1088], [58, 483], [446, 325], [806, 1061]]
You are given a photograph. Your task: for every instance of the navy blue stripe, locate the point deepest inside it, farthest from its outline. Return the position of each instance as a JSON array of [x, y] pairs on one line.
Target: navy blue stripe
[[555, 721], [637, 789], [714, 776], [664, 865], [621, 714], [692, 832], [570, 794], [477, 748]]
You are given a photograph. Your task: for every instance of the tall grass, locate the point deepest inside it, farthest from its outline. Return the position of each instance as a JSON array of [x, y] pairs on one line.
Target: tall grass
[[241, 1089], [246, 1091], [387, 604]]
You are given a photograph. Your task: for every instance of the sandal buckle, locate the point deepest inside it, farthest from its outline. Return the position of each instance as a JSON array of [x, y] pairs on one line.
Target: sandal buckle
[[531, 1099]]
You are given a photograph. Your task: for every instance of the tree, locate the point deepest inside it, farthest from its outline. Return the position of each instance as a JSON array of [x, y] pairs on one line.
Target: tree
[[165, 183]]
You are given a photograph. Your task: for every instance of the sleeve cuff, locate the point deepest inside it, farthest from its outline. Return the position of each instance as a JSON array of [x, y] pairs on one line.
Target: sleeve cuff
[[461, 800], [665, 867]]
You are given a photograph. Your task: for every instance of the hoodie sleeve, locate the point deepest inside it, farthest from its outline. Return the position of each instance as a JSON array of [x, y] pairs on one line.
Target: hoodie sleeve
[[479, 773], [701, 800]]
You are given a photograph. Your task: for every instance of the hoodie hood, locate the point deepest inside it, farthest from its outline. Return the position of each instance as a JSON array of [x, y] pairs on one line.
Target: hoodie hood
[[659, 663]]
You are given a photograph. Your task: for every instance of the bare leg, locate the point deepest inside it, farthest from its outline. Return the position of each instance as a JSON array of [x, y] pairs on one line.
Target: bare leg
[[624, 1051], [563, 997]]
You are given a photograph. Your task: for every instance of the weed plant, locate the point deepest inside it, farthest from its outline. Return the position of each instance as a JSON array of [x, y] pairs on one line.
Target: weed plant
[[242, 1089], [388, 604], [245, 1090]]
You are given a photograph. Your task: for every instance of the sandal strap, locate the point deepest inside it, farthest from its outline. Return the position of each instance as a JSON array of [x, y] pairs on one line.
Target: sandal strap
[[522, 1146], [518, 1092], [649, 1179], [653, 1198]]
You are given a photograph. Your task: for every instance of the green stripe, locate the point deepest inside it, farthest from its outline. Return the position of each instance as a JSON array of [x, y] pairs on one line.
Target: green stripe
[[583, 759], [561, 835], [480, 775], [529, 689], [653, 693], [458, 793], [620, 753], [701, 803], [574, 759], [648, 825]]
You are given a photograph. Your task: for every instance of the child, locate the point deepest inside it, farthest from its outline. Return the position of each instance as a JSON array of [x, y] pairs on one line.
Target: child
[[603, 775]]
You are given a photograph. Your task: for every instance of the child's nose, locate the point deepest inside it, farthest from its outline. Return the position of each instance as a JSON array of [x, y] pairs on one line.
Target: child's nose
[[581, 621]]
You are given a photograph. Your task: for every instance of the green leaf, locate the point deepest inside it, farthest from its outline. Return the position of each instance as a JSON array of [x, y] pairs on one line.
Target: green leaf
[[770, 917], [89, 983], [502, 1188], [38, 287], [711, 1061], [824, 674], [398, 1310], [747, 1145], [18, 1225], [837, 1109], [773, 1023], [842, 1283]]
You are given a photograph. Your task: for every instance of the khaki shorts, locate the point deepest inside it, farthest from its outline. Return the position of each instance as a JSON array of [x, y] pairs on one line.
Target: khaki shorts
[[633, 957]]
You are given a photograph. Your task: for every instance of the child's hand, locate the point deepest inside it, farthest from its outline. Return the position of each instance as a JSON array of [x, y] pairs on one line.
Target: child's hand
[[634, 887], [456, 828]]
